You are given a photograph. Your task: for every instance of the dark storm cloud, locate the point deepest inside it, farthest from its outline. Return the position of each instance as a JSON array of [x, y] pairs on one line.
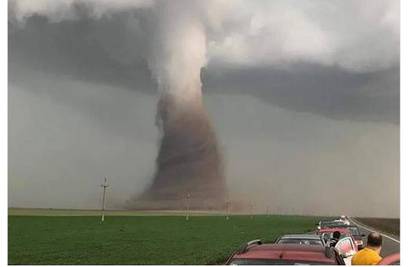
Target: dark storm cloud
[[328, 91], [109, 50], [76, 48]]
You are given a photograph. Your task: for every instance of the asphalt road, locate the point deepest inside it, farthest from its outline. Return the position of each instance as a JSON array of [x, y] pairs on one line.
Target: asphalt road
[[390, 244]]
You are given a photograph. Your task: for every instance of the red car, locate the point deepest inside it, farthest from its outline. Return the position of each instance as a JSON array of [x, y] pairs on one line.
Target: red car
[[393, 259], [256, 253]]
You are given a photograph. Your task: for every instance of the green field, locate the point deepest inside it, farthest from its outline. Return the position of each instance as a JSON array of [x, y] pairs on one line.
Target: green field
[[140, 239]]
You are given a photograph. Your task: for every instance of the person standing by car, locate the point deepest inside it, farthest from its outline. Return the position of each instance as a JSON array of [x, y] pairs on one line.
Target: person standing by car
[[370, 255], [335, 238]]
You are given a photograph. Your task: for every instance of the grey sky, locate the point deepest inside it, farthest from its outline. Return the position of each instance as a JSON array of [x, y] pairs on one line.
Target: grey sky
[[302, 102]]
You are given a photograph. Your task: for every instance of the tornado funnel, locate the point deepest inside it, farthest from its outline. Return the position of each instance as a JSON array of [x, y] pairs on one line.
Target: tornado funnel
[[189, 163]]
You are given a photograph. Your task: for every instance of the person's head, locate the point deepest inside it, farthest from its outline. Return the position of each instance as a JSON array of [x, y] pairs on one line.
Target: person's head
[[374, 241], [336, 235]]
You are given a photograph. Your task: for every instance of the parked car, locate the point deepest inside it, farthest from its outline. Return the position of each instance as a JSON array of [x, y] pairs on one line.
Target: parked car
[[301, 239], [393, 259], [257, 253], [330, 224], [344, 219]]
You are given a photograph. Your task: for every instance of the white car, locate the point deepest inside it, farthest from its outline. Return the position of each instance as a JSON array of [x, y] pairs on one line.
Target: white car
[[344, 219]]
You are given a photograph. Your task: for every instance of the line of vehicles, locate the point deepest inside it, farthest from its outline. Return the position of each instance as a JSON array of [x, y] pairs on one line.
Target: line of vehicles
[[334, 242]]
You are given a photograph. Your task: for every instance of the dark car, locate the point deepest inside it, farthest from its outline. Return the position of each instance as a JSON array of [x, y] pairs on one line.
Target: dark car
[[257, 253], [330, 224], [301, 239]]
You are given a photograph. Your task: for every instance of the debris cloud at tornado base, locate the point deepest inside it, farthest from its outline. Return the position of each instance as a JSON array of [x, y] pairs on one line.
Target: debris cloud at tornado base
[[189, 162]]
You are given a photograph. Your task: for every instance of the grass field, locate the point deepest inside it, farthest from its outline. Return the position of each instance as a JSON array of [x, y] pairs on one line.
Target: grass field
[[140, 239]]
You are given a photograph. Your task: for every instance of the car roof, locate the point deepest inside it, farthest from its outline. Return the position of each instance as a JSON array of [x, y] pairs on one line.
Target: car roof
[[301, 236], [332, 222], [334, 229], [286, 252], [346, 225]]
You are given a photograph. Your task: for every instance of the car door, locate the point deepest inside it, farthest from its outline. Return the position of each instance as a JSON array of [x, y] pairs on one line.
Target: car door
[[346, 248]]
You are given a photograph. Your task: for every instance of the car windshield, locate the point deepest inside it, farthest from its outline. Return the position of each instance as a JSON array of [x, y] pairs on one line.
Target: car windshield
[[354, 230], [331, 224], [313, 242], [275, 262]]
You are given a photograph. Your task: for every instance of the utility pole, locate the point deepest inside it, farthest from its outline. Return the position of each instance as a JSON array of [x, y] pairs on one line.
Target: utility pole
[[227, 209], [104, 186], [188, 207]]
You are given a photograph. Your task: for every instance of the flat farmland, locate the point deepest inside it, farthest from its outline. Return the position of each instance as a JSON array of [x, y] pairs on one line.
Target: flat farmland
[[152, 239], [387, 225]]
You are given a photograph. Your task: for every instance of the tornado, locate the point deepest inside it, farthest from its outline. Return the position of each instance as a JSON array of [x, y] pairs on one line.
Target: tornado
[[189, 165]]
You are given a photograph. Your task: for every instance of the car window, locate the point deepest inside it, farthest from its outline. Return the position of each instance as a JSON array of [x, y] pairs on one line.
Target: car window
[[315, 243], [326, 236], [354, 230], [332, 224]]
